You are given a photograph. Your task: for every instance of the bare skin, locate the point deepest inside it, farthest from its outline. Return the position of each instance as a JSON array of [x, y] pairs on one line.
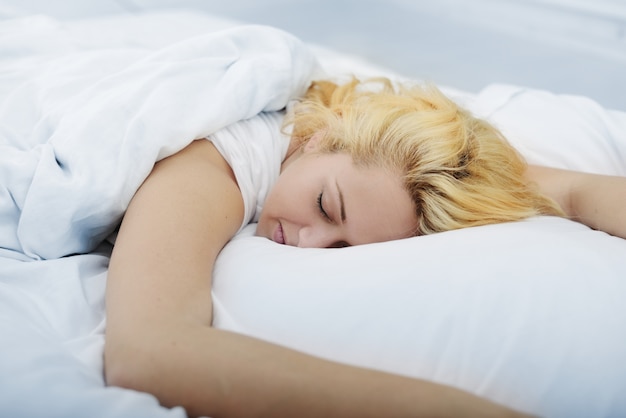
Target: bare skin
[[598, 201], [159, 334]]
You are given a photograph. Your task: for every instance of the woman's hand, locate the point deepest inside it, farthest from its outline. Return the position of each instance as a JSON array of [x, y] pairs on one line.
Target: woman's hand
[[598, 201]]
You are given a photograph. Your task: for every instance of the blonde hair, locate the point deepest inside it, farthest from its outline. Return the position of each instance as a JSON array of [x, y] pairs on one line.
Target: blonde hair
[[458, 169]]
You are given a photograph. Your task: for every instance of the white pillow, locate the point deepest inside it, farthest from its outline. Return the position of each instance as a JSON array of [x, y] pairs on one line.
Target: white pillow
[[565, 131], [531, 314]]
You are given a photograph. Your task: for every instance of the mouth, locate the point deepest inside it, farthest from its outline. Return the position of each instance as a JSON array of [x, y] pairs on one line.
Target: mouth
[[279, 235]]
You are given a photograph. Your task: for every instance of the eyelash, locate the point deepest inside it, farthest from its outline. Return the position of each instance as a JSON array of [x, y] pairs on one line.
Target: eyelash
[[321, 207]]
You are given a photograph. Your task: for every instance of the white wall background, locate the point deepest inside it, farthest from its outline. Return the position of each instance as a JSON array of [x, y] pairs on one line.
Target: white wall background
[[567, 46]]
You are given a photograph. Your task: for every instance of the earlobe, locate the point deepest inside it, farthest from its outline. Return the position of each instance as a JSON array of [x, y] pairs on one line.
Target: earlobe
[[296, 150], [313, 143]]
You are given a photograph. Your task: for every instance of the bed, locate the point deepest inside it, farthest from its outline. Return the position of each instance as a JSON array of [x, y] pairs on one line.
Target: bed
[[531, 314]]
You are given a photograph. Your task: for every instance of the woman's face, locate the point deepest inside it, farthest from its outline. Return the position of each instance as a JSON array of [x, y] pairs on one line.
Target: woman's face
[[323, 200]]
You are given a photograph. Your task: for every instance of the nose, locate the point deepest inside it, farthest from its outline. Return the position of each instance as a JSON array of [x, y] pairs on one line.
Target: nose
[[319, 236]]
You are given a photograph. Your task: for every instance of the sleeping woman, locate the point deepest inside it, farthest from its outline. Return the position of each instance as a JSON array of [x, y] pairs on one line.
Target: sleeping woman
[[347, 165]]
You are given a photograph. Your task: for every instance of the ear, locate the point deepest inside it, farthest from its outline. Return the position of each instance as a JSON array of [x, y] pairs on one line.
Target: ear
[[313, 143]]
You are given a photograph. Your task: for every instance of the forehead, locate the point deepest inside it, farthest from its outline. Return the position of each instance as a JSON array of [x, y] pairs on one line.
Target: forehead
[[377, 206]]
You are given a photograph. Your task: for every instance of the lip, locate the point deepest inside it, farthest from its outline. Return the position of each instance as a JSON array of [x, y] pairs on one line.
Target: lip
[[279, 234]]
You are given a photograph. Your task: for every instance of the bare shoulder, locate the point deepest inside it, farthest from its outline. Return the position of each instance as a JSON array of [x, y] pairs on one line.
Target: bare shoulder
[[183, 214], [200, 155], [191, 188], [189, 203]]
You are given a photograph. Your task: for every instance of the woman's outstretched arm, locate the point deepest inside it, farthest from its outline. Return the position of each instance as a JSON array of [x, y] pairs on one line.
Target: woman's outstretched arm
[[159, 339], [598, 201]]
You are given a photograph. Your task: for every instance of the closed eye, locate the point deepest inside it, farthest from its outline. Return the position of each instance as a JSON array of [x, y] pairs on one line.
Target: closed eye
[[320, 206]]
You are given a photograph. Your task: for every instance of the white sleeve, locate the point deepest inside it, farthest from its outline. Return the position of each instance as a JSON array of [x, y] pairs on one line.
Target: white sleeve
[[255, 149]]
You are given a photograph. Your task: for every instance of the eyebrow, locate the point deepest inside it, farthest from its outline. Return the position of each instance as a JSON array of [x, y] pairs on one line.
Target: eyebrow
[[343, 207]]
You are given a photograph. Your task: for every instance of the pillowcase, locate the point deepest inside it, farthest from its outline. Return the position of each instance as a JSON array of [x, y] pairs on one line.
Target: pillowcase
[[564, 131]]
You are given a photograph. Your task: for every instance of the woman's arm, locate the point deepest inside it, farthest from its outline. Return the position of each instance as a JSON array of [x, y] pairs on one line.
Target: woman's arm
[[159, 338], [598, 201]]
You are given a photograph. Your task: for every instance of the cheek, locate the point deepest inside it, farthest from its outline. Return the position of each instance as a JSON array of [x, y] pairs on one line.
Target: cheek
[[287, 199], [276, 203], [293, 196], [275, 198]]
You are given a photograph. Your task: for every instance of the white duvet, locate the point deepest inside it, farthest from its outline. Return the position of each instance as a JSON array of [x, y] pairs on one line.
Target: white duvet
[[92, 123], [531, 313]]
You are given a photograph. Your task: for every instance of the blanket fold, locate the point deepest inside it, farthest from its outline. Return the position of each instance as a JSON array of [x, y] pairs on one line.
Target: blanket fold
[[97, 123]]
